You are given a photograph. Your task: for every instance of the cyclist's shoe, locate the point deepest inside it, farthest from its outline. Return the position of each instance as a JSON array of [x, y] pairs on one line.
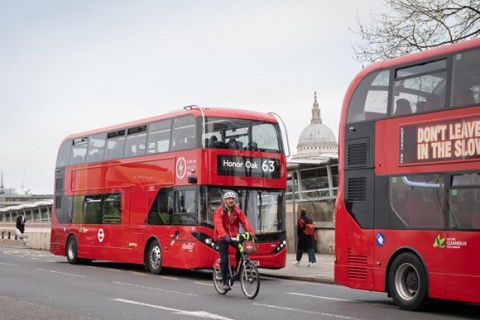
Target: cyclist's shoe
[[226, 287]]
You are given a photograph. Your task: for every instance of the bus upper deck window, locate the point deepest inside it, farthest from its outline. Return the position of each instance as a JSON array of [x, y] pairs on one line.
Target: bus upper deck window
[[466, 78], [370, 98]]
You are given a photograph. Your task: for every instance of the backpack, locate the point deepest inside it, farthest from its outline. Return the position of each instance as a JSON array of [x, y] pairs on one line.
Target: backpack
[[309, 229]]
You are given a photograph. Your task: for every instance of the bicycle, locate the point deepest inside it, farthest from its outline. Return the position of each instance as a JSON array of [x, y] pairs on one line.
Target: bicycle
[[246, 269]]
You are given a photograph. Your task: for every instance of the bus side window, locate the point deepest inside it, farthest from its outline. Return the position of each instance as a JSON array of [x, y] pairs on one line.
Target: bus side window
[[402, 107], [464, 97], [135, 144], [96, 147], [79, 151], [78, 159], [159, 136], [183, 133], [190, 142], [476, 218], [433, 102], [424, 209], [466, 79], [115, 144]]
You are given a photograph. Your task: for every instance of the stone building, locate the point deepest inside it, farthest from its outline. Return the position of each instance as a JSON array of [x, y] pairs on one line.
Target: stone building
[[313, 181]]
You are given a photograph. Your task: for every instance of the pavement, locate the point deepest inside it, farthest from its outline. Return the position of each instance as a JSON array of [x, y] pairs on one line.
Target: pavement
[[321, 271]]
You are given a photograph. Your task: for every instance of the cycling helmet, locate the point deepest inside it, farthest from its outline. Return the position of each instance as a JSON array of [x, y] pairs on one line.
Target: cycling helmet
[[229, 194]]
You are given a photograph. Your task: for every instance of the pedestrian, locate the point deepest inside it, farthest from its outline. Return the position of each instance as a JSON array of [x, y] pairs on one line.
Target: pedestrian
[[305, 241], [20, 225]]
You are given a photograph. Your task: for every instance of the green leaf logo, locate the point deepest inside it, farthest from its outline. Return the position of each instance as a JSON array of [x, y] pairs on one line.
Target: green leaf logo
[[439, 242]]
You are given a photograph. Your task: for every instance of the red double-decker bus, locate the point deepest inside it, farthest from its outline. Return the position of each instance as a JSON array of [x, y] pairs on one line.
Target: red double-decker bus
[[144, 192], [408, 207]]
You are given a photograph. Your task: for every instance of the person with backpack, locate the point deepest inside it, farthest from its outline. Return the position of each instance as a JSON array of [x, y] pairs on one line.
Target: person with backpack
[[305, 241]]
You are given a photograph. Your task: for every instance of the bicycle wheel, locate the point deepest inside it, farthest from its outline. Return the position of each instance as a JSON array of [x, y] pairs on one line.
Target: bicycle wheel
[[250, 280], [217, 281]]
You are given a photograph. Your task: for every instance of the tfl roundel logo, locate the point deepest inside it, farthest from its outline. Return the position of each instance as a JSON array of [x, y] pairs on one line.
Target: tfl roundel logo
[[181, 167]]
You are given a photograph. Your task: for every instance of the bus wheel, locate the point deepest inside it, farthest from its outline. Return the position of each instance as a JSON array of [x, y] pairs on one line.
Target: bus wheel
[[407, 280], [154, 258], [72, 256]]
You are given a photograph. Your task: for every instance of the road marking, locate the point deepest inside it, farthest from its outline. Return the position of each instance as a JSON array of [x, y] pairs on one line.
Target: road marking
[[334, 299], [63, 273], [320, 297], [156, 289], [309, 312], [199, 314], [204, 283], [169, 278], [9, 264]]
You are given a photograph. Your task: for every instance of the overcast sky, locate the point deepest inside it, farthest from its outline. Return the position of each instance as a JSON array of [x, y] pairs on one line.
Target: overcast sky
[[72, 66]]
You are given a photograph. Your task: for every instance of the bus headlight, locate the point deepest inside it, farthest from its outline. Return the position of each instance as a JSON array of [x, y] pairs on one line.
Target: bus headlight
[[281, 245]]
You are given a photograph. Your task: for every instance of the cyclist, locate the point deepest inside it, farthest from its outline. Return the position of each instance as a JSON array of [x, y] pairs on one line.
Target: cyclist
[[227, 219]]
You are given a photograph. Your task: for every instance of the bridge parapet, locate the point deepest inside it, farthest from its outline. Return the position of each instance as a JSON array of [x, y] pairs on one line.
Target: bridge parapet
[[36, 236]]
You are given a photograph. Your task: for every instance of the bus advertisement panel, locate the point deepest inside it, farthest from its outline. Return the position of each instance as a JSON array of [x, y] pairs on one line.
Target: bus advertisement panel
[[408, 207], [144, 192]]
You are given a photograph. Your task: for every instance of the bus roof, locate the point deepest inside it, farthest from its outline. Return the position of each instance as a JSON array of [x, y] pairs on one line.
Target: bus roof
[[403, 60], [208, 112], [423, 55]]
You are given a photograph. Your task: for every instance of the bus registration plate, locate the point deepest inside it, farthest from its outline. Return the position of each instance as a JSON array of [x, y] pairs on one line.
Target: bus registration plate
[[255, 262]]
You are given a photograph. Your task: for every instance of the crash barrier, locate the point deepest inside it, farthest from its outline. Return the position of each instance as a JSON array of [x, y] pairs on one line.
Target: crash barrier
[[36, 236], [13, 237]]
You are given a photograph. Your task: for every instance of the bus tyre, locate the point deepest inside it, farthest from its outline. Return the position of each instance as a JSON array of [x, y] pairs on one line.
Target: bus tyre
[[72, 255], [154, 258], [407, 281]]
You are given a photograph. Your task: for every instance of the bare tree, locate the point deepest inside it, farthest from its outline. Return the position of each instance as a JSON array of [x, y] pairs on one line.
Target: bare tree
[[416, 25]]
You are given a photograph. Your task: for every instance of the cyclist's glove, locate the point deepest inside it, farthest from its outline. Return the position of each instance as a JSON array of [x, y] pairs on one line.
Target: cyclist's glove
[[245, 236], [227, 239]]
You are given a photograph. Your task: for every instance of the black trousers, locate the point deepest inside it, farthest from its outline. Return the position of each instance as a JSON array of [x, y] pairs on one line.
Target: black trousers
[[223, 249]]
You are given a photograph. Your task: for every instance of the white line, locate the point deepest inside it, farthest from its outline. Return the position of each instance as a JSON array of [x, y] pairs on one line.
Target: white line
[[320, 297], [63, 273], [9, 264], [305, 311], [199, 314], [335, 299], [204, 283], [156, 289], [169, 278]]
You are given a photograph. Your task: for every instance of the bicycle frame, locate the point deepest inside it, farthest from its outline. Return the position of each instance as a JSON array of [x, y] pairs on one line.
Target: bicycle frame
[[248, 272]]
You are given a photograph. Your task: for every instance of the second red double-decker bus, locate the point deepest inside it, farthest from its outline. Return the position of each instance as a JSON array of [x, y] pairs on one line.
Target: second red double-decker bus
[[144, 192], [408, 206]]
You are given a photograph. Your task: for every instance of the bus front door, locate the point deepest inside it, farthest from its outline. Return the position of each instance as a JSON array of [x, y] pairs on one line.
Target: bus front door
[[182, 248]]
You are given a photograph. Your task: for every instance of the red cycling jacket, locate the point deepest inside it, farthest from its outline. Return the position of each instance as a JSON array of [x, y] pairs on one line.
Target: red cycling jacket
[[228, 225]]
